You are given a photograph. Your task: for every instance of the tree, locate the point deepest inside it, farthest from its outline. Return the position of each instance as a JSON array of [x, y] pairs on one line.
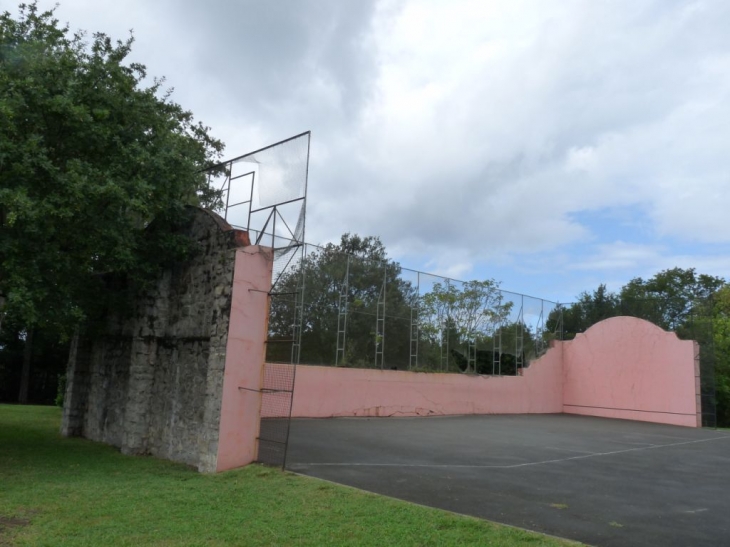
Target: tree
[[721, 332], [589, 309], [670, 297], [342, 286], [457, 316], [89, 156]]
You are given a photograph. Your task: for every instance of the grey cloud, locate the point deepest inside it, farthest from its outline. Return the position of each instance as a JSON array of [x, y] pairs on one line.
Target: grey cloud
[[482, 135], [275, 57]]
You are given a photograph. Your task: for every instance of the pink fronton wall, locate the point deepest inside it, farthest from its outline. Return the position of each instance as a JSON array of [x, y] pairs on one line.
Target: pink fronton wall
[[622, 367], [322, 392], [629, 368], [245, 351]]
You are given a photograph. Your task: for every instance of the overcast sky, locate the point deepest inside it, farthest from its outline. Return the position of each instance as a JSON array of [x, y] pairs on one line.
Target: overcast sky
[[551, 145]]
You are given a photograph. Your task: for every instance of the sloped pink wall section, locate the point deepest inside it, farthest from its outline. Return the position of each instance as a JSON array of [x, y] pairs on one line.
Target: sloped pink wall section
[[322, 392]]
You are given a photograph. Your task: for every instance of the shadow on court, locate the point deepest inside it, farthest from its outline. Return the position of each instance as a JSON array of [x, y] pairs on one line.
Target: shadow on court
[[601, 481]]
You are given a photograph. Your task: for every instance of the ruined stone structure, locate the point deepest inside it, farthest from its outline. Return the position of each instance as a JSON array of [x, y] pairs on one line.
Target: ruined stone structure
[[153, 383]]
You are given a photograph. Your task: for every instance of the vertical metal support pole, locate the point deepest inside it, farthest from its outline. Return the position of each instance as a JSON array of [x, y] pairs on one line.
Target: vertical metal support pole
[[228, 192], [448, 338], [539, 330], [298, 314], [296, 346], [250, 202], [342, 316], [471, 353], [497, 350], [273, 230], [413, 361], [520, 337], [561, 322], [442, 332], [380, 323]]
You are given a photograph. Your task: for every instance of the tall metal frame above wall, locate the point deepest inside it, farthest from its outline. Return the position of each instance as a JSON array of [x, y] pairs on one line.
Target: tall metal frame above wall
[[265, 193]]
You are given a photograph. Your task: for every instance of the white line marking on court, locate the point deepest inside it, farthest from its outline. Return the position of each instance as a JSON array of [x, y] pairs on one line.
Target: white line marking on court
[[627, 442], [513, 466], [569, 450]]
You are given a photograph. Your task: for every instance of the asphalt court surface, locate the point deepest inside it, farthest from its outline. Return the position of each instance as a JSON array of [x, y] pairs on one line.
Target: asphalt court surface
[[601, 481]]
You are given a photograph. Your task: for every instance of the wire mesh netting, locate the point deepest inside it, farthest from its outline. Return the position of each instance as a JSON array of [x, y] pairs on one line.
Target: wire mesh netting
[[372, 313], [276, 401]]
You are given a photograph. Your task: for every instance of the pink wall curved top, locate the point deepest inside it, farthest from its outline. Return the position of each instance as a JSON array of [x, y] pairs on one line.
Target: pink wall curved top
[[626, 367]]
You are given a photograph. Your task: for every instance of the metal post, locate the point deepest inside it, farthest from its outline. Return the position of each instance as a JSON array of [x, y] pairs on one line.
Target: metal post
[[380, 324], [497, 350], [228, 193], [471, 353], [520, 337], [342, 316], [298, 314], [413, 360]]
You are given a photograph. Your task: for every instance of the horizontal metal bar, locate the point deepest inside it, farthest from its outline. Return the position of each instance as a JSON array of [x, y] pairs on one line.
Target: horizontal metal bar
[[239, 203], [221, 164], [266, 390], [244, 175], [271, 440], [277, 205]]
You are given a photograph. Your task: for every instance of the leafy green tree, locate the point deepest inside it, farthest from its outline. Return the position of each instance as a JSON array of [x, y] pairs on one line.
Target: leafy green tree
[[670, 297], [721, 332], [356, 270], [590, 308], [89, 155], [462, 313]]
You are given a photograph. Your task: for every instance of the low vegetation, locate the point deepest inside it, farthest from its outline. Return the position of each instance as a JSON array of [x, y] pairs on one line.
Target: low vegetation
[[59, 491]]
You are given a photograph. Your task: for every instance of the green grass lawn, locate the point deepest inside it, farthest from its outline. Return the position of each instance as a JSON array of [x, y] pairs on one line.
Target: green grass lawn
[[58, 491]]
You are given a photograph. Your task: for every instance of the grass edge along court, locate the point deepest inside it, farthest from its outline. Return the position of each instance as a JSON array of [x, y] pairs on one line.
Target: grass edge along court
[[60, 491]]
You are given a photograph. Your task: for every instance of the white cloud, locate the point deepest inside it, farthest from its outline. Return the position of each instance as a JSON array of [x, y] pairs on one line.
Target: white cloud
[[468, 128]]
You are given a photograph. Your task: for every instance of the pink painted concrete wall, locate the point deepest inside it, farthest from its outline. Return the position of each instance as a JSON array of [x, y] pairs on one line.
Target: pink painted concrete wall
[[245, 351], [620, 368], [322, 392], [629, 368]]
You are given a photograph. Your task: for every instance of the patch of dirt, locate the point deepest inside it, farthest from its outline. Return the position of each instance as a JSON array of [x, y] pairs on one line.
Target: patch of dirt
[[6, 525]]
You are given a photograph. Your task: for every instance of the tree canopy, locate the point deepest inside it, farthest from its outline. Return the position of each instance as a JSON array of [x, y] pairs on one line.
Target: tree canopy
[[357, 270], [90, 152]]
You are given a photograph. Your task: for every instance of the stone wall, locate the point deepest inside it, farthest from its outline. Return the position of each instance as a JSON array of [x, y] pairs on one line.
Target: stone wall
[[153, 382]]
